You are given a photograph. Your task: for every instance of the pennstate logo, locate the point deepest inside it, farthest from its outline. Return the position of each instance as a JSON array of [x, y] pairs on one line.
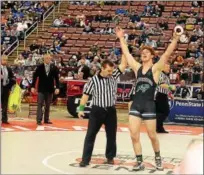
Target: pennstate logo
[[171, 104], [124, 164]]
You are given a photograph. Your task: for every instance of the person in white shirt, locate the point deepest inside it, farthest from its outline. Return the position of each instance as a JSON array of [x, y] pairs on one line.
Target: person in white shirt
[[58, 22], [198, 31], [19, 61], [150, 42]]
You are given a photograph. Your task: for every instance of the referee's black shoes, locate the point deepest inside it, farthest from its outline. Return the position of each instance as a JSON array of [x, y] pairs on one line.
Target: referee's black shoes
[[83, 164], [162, 131], [109, 161]]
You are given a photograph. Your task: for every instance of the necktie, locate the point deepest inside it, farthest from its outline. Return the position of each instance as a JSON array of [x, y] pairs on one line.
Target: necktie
[[47, 68], [5, 75]]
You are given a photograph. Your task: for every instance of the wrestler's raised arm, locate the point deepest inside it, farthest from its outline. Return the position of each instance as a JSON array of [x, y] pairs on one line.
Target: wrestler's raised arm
[[166, 55]]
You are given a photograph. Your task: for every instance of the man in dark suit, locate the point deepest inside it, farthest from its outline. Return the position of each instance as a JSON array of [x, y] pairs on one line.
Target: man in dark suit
[[84, 68], [7, 81], [48, 75]]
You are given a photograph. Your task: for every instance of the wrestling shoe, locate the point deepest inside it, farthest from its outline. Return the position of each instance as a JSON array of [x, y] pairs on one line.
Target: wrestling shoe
[[138, 167], [158, 163]]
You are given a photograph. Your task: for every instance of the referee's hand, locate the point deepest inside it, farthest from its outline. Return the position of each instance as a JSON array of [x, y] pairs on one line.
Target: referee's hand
[[81, 114]]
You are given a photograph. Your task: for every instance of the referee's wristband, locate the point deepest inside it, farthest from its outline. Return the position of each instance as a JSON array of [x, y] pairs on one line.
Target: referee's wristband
[[170, 88], [81, 107]]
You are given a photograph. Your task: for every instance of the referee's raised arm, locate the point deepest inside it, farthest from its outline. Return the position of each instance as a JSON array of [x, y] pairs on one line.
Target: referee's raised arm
[[121, 68]]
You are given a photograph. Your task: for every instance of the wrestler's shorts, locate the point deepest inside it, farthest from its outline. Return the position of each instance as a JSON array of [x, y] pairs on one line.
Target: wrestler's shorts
[[146, 110]]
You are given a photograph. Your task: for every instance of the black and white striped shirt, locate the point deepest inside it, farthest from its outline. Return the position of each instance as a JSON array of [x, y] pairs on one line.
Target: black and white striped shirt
[[163, 79], [103, 90]]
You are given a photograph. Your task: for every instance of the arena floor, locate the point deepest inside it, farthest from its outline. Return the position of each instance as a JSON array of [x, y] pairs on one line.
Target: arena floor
[[57, 148]]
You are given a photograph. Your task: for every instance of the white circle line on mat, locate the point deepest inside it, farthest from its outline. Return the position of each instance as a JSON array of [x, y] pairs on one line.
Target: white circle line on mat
[[46, 159]]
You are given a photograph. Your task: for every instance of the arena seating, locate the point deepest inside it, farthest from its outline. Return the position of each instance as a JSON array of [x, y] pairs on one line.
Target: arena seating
[[13, 14], [82, 42]]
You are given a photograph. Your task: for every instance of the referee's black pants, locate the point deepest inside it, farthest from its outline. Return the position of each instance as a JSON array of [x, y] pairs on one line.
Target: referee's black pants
[[162, 110], [99, 116]]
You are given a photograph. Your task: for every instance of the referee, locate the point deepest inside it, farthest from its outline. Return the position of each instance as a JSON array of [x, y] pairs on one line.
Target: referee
[[162, 105], [103, 89]]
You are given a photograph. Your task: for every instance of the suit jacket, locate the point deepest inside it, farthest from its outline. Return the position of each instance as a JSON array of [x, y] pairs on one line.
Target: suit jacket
[[182, 92], [46, 82], [12, 79], [86, 71]]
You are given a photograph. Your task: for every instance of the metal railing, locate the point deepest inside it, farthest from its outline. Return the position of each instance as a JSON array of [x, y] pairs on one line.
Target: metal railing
[[47, 14], [11, 48], [29, 31]]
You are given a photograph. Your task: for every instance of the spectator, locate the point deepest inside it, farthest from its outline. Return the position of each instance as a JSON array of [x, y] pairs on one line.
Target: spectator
[[19, 61], [57, 34], [115, 50], [99, 17], [141, 25], [62, 41], [157, 12], [69, 76], [113, 57], [73, 61], [185, 71], [174, 75], [148, 9], [197, 71], [43, 49], [120, 11], [26, 53], [30, 61], [107, 30], [108, 18], [56, 49], [84, 69], [153, 31], [37, 58], [197, 31], [150, 42], [200, 94], [196, 3], [58, 22], [34, 46], [61, 62], [94, 49], [69, 21], [90, 56], [163, 24], [88, 29], [179, 59], [182, 91], [132, 35], [134, 17], [190, 22], [192, 52], [177, 12]]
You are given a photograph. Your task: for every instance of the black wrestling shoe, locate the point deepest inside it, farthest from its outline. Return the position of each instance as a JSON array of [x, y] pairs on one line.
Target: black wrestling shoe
[[138, 167], [83, 164], [158, 163]]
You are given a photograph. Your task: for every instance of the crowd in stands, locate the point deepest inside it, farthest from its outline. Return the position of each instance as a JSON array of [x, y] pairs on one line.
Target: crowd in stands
[[17, 17], [80, 65]]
